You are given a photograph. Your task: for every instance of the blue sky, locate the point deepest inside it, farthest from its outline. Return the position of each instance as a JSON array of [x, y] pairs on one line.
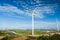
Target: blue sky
[[17, 14]]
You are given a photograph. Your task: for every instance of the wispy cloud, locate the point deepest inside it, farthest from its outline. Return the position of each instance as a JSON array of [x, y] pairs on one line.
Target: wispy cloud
[[10, 10], [38, 11]]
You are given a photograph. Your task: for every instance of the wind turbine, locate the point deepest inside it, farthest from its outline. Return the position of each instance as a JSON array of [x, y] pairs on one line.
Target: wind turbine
[[57, 24], [35, 9], [30, 10], [33, 23]]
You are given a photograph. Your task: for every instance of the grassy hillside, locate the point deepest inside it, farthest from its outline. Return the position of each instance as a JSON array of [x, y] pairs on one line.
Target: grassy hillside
[[17, 34]]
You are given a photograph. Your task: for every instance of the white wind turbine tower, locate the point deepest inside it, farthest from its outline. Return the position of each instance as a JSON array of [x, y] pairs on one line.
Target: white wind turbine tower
[[34, 14], [57, 24], [33, 24]]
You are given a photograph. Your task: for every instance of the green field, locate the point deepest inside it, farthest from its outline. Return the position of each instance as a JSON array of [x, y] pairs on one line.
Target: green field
[[22, 34]]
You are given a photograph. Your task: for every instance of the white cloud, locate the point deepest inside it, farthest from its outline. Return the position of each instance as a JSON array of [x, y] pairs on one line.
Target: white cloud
[[11, 9], [39, 11]]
